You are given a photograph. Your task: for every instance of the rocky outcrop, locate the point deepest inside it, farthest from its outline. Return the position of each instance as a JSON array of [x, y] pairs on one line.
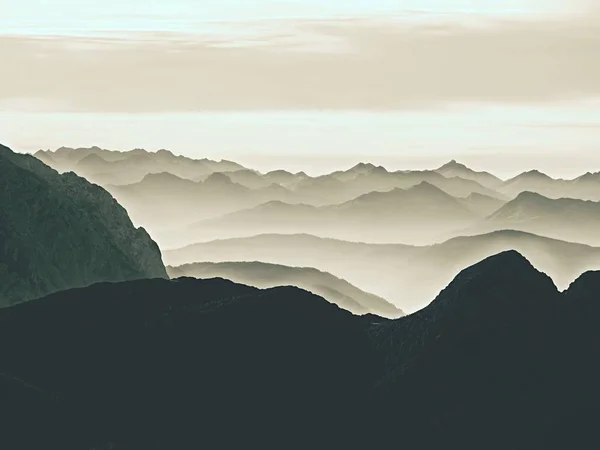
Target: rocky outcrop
[[60, 231]]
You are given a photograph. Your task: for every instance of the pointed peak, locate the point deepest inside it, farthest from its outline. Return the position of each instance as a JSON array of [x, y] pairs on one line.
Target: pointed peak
[[495, 284], [362, 167], [507, 264], [589, 176], [425, 186], [379, 169], [534, 173], [453, 164]]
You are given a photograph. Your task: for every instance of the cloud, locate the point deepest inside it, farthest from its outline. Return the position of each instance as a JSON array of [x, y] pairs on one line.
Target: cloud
[[327, 65]]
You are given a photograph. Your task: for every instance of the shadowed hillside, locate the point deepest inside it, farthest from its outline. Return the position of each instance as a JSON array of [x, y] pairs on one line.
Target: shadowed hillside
[[500, 359], [264, 275], [60, 231]]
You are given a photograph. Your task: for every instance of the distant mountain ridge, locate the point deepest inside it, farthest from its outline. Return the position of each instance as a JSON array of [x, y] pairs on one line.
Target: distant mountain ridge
[[116, 167], [265, 275], [419, 212], [563, 218], [60, 231], [399, 273], [456, 169]]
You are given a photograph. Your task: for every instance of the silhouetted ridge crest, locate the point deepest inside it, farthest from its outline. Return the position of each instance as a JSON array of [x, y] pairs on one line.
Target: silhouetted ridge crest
[[507, 275], [586, 285]]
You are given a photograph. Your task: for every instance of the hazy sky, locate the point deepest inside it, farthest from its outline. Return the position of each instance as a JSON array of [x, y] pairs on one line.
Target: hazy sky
[[309, 84]]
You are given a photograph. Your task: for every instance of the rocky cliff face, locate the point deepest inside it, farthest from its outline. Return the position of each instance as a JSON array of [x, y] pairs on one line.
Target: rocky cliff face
[[60, 231]]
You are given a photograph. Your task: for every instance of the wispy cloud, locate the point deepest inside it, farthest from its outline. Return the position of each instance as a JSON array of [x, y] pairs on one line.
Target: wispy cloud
[[336, 65]]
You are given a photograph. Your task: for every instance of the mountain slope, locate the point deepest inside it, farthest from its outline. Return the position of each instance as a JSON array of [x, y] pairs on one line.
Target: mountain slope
[[500, 359], [60, 231], [584, 187], [417, 214], [482, 205], [264, 275], [163, 201], [456, 169], [179, 365], [564, 218], [115, 167]]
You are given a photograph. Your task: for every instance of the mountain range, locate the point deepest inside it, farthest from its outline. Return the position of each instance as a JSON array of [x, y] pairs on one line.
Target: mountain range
[[181, 200], [416, 214], [60, 231], [402, 274], [499, 359], [265, 275], [102, 347], [114, 167], [563, 218], [161, 201]]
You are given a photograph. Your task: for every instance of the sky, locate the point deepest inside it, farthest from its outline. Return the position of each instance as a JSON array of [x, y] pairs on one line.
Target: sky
[[310, 85]]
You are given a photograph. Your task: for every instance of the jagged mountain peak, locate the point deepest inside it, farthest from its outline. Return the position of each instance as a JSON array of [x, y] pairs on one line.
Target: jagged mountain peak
[[425, 187], [453, 164], [362, 167]]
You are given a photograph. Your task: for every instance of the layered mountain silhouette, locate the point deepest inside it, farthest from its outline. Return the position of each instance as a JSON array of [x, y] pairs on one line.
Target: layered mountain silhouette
[[60, 231], [114, 167], [407, 276], [482, 205], [339, 187], [456, 169], [417, 214], [564, 218], [264, 275], [500, 359], [585, 187], [165, 201]]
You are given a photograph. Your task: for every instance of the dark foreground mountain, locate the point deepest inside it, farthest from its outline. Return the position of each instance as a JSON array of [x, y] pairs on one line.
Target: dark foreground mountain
[[499, 360], [264, 275], [60, 231], [181, 364]]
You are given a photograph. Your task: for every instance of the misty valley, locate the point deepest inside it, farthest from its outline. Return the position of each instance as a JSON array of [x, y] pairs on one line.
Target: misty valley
[[150, 300]]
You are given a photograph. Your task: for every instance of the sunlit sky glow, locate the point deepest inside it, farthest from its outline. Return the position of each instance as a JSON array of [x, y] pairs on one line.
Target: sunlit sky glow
[[314, 83]]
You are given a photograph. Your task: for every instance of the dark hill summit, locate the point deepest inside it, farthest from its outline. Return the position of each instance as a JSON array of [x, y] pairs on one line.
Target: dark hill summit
[[60, 231], [181, 364]]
